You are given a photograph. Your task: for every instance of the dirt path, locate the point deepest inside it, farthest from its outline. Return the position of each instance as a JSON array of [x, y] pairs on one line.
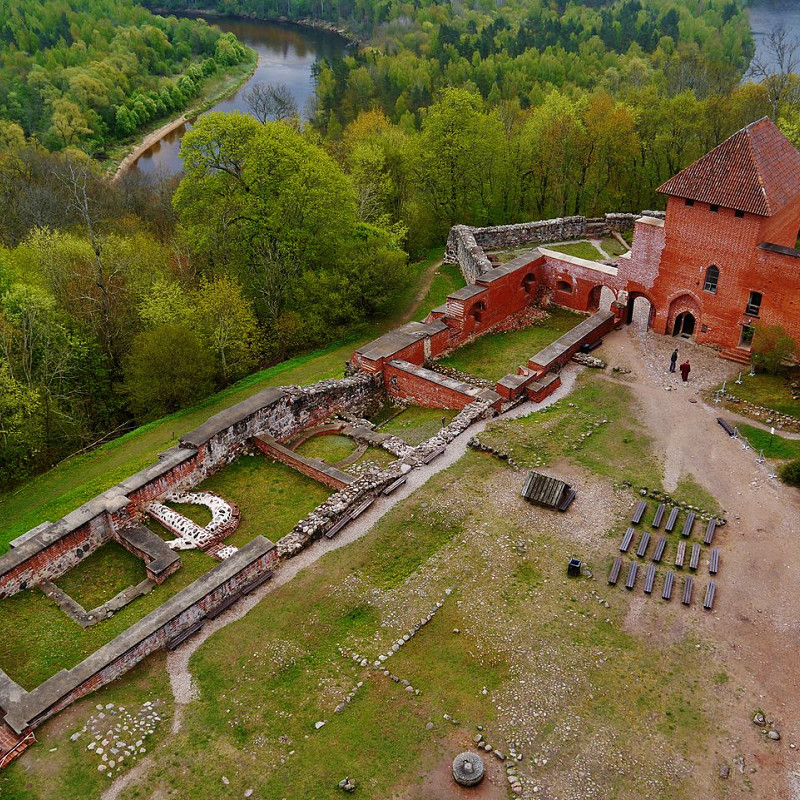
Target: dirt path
[[427, 280], [754, 629], [180, 676]]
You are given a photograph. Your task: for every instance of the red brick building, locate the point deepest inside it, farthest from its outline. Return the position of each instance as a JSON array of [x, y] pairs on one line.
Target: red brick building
[[723, 261]]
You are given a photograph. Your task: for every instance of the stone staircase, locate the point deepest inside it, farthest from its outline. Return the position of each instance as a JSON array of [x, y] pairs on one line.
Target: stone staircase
[[737, 355]]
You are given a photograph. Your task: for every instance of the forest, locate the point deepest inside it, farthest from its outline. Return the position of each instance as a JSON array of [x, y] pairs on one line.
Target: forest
[[123, 301], [77, 73]]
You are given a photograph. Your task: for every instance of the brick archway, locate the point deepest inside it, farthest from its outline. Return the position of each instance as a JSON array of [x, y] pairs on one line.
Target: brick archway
[[685, 311], [629, 314]]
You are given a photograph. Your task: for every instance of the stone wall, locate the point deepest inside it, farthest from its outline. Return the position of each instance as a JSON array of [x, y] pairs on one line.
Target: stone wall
[[174, 617]]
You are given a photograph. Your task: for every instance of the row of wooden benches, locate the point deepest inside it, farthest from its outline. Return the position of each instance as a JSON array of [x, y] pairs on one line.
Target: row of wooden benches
[[669, 582], [680, 556], [672, 519]]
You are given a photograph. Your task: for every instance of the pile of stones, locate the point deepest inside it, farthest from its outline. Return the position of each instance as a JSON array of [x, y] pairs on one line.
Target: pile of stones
[[767, 726], [663, 497], [466, 417], [476, 444], [589, 361], [770, 415], [347, 785]]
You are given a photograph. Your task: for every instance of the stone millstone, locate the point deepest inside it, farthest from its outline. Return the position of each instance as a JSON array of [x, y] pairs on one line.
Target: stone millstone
[[468, 769]]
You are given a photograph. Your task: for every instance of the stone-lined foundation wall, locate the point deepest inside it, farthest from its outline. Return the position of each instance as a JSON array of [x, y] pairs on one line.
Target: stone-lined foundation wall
[[51, 550], [153, 632], [313, 468]]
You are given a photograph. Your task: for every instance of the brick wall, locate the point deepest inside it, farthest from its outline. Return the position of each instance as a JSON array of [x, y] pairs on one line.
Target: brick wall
[[312, 467]]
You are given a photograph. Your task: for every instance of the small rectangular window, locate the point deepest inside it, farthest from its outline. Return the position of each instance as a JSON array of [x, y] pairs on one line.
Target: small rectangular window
[[739, 214], [753, 304], [714, 209], [689, 202]]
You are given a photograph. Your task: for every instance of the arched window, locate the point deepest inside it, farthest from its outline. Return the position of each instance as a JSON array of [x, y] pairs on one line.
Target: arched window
[[564, 286], [712, 276]]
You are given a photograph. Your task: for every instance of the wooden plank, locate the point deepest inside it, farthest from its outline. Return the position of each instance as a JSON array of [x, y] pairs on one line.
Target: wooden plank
[[626, 540], [184, 635], [395, 484], [673, 516], [681, 555], [713, 566], [433, 454], [708, 600], [649, 579], [567, 501], [257, 582], [642, 549], [359, 510], [613, 576], [659, 515], [687, 526], [710, 529], [223, 606], [727, 428], [694, 561], [668, 581], [639, 513], [334, 529], [688, 585], [631, 579], [660, 545]]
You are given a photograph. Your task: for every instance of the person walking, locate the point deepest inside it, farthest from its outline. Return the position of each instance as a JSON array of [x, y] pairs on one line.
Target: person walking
[[685, 370], [673, 360]]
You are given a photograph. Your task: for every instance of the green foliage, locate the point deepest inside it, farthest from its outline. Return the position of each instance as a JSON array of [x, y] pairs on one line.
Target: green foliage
[[774, 446], [773, 349], [20, 426], [790, 473], [81, 74]]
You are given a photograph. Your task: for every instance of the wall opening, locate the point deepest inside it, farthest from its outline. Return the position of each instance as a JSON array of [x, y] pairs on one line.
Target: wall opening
[[564, 286], [528, 282], [640, 312], [684, 324]]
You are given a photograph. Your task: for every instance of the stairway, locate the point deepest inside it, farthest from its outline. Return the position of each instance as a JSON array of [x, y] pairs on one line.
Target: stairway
[[737, 355]]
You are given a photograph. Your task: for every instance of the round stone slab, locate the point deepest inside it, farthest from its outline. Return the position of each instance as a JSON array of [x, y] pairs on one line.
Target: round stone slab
[[468, 769]]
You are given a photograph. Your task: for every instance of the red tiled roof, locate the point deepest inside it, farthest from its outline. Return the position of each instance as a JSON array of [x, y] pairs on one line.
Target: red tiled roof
[[756, 170]]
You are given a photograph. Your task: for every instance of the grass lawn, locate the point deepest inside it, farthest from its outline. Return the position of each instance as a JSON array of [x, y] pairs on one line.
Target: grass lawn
[[770, 391], [581, 249], [446, 280], [613, 247], [331, 448], [199, 514], [271, 497], [773, 446], [691, 492], [101, 576], [378, 456], [497, 354], [416, 424]]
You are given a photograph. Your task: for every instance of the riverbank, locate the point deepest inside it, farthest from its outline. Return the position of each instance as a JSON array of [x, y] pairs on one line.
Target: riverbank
[[215, 92]]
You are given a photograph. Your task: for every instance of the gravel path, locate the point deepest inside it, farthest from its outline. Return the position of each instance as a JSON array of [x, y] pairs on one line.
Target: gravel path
[[181, 681]]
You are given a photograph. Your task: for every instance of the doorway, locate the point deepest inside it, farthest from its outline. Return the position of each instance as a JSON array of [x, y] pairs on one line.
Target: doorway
[[746, 336], [684, 325]]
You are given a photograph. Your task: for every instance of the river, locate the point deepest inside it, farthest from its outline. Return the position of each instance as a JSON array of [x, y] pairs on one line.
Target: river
[[286, 54], [766, 15]]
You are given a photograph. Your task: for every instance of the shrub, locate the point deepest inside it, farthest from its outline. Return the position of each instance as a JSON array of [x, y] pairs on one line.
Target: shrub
[[772, 349], [790, 473]]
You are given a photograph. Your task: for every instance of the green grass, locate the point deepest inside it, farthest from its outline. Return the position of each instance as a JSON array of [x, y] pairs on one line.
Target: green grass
[[585, 250], [446, 280], [105, 573], [416, 424], [271, 497], [691, 492], [378, 456], [770, 391], [197, 513], [331, 448], [613, 247], [497, 354], [773, 446]]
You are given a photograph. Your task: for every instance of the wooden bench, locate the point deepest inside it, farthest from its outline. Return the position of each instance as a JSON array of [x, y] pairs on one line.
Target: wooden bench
[[649, 579], [433, 454], [710, 529], [681, 555], [642, 549], [251, 587], [360, 509], [334, 529], [660, 545], [694, 561], [713, 565], [673, 517], [395, 485], [659, 515], [727, 428], [223, 606], [616, 567], [586, 347], [626, 540], [668, 581], [639, 513], [687, 526], [688, 585], [708, 600], [631, 579], [567, 501], [184, 635]]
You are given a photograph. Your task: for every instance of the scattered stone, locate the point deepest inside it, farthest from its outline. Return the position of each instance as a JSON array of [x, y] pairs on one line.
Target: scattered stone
[[428, 726], [774, 735], [759, 719], [318, 725], [225, 780]]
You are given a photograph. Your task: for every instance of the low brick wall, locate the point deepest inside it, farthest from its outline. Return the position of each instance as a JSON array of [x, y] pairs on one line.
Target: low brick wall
[[312, 467], [151, 633], [561, 351]]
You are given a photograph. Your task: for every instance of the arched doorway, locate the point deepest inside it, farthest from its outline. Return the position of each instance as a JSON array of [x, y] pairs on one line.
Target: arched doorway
[[640, 311], [477, 310], [684, 324]]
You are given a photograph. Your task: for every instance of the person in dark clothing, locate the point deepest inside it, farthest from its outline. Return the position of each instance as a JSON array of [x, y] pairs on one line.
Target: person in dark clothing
[[673, 360], [685, 370]]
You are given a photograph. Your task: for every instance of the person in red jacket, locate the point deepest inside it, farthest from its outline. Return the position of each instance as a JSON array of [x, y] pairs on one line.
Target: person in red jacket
[[685, 370]]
